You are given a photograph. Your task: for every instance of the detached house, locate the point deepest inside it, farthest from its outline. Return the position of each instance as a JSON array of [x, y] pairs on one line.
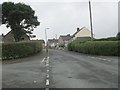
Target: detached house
[[64, 40], [82, 34]]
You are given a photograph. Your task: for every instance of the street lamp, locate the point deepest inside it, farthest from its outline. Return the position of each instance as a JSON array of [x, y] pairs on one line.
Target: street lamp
[[46, 39]]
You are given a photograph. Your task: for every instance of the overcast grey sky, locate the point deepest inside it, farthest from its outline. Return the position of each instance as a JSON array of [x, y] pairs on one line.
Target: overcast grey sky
[[63, 17]]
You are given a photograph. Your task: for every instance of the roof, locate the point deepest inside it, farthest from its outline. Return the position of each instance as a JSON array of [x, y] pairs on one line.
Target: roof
[[78, 30], [53, 40], [65, 37]]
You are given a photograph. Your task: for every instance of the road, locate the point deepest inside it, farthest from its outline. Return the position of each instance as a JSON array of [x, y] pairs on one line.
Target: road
[[24, 73], [63, 70], [72, 70]]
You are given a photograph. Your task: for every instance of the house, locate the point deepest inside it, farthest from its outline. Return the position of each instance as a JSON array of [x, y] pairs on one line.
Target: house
[[9, 37], [64, 40], [82, 34], [52, 43]]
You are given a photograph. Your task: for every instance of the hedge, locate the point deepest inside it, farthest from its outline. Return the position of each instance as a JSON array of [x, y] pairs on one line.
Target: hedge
[[20, 49], [95, 47]]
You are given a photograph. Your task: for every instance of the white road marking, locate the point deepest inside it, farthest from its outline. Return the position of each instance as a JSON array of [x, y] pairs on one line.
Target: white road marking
[[35, 81], [47, 70], [48, 57], [47, 64], [43, 60], [92, 57], [104, 59], [47, 82], [48, 76], [101, 59], [109, 60], [47, 61]]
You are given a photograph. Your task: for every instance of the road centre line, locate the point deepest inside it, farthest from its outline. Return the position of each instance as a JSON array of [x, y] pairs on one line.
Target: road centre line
[[47, 82], [47, 64], [48, 57], [48, 76]]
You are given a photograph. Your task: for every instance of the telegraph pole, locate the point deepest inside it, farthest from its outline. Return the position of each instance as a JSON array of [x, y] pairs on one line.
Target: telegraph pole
[[91, 20]]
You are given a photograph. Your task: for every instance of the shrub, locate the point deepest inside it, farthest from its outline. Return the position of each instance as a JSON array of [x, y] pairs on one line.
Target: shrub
[[95, 47], [20, 49]]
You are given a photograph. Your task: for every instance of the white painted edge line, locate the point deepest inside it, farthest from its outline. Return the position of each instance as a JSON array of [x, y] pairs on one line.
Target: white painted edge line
[[101, 59], [109, 60], [104, 59], [47, 82]]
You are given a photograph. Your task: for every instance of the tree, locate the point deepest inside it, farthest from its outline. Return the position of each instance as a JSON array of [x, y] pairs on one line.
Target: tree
[[20, 18]]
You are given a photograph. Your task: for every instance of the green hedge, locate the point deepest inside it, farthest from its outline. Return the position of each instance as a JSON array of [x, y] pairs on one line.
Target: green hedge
[[20, 49], [95, 47]]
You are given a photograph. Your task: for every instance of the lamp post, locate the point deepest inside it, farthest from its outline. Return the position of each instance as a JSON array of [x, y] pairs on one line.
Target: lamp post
[[91, 20], [46, 39]]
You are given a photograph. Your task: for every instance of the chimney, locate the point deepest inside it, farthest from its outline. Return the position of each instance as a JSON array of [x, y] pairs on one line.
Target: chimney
[[78, 29]]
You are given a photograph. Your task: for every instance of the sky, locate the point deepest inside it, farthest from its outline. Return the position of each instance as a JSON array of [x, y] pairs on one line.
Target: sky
[[62, 17]]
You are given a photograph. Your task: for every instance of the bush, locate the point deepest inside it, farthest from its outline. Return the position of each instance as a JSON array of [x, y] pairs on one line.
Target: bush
[[20, 49], [95, 47]]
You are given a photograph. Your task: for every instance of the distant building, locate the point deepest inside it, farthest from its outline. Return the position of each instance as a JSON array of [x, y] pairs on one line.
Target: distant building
[[9, 37], [64, 40], [52, 43], [82, 34]]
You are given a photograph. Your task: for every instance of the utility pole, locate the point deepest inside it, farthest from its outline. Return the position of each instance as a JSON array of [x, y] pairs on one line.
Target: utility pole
[[91, 20], [46, 39]]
